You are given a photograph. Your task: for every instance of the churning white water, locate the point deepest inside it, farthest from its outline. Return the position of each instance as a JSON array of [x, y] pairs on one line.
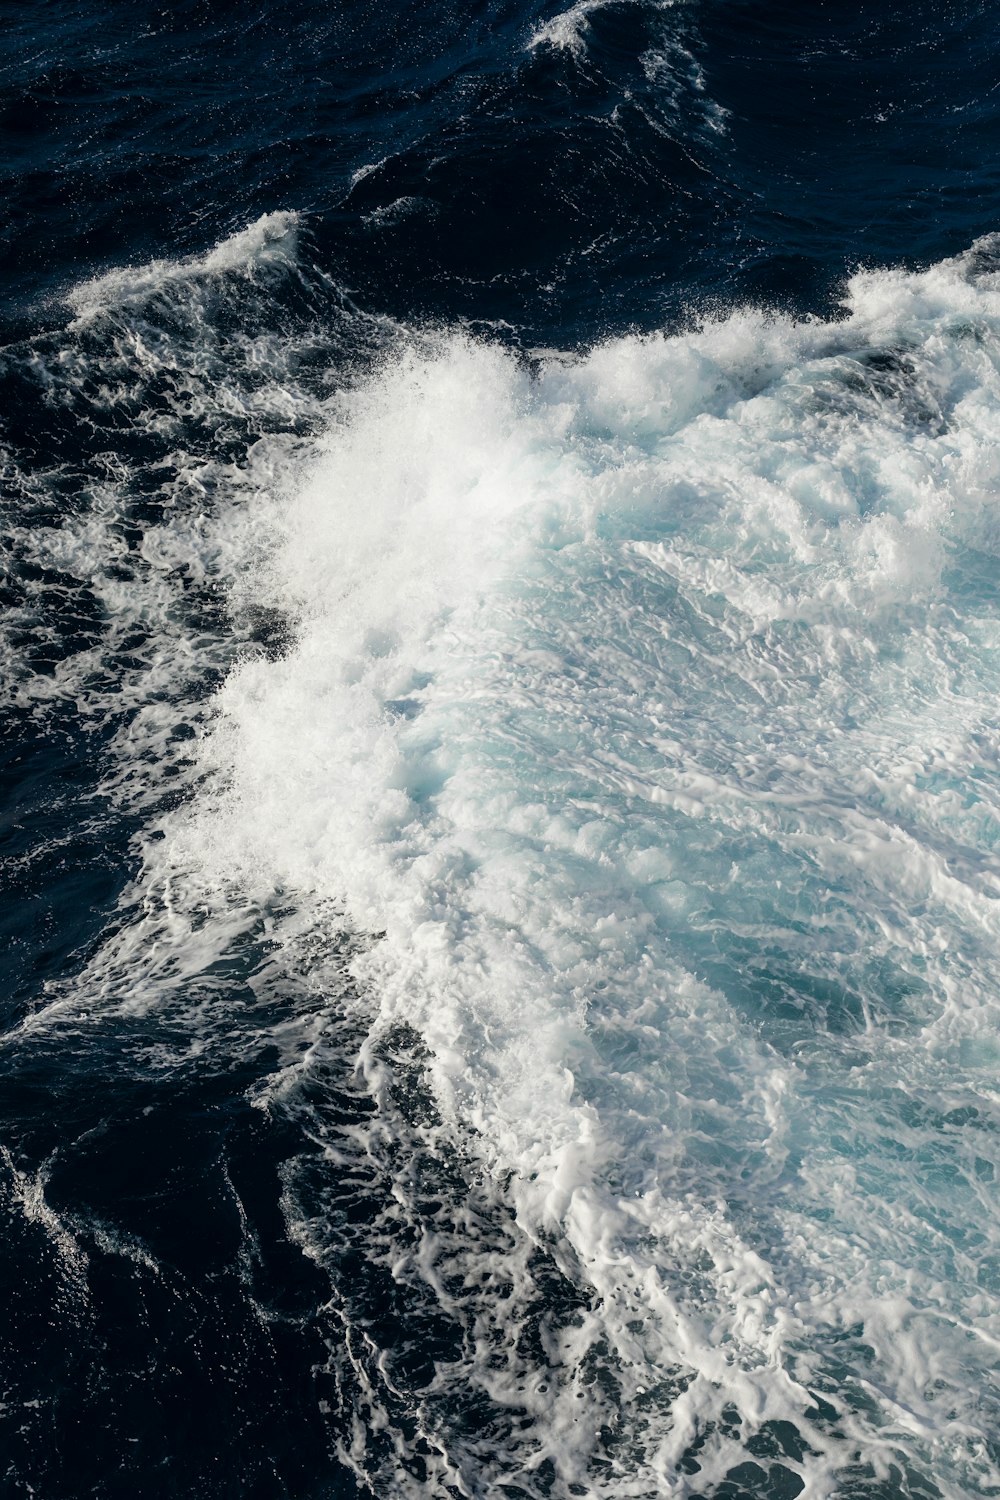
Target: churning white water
[[637, 713]]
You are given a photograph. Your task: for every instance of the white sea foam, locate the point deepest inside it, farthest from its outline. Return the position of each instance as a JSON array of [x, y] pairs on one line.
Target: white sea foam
[[641, 711], [566, 31], [270, 240]]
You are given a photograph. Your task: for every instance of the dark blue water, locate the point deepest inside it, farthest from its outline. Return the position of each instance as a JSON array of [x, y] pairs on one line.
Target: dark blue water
[[569, 193], [189, 1244]]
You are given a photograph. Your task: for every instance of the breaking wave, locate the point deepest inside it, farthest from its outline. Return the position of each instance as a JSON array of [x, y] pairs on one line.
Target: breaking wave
[[605, 747]]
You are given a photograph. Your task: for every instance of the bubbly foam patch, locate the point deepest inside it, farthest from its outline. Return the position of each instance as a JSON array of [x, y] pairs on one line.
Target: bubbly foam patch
[[566, 31], [640, 713], [644, 710], [270, 241]]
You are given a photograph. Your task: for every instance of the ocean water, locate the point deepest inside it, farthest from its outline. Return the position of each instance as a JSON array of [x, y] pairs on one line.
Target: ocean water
[[500, 653]]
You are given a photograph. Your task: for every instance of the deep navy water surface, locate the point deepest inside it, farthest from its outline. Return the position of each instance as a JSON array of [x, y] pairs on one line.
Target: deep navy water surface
[[190, 1242], [570, 193]]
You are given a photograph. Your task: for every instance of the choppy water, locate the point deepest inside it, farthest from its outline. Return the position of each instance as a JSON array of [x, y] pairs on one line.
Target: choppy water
[[502, 776]]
